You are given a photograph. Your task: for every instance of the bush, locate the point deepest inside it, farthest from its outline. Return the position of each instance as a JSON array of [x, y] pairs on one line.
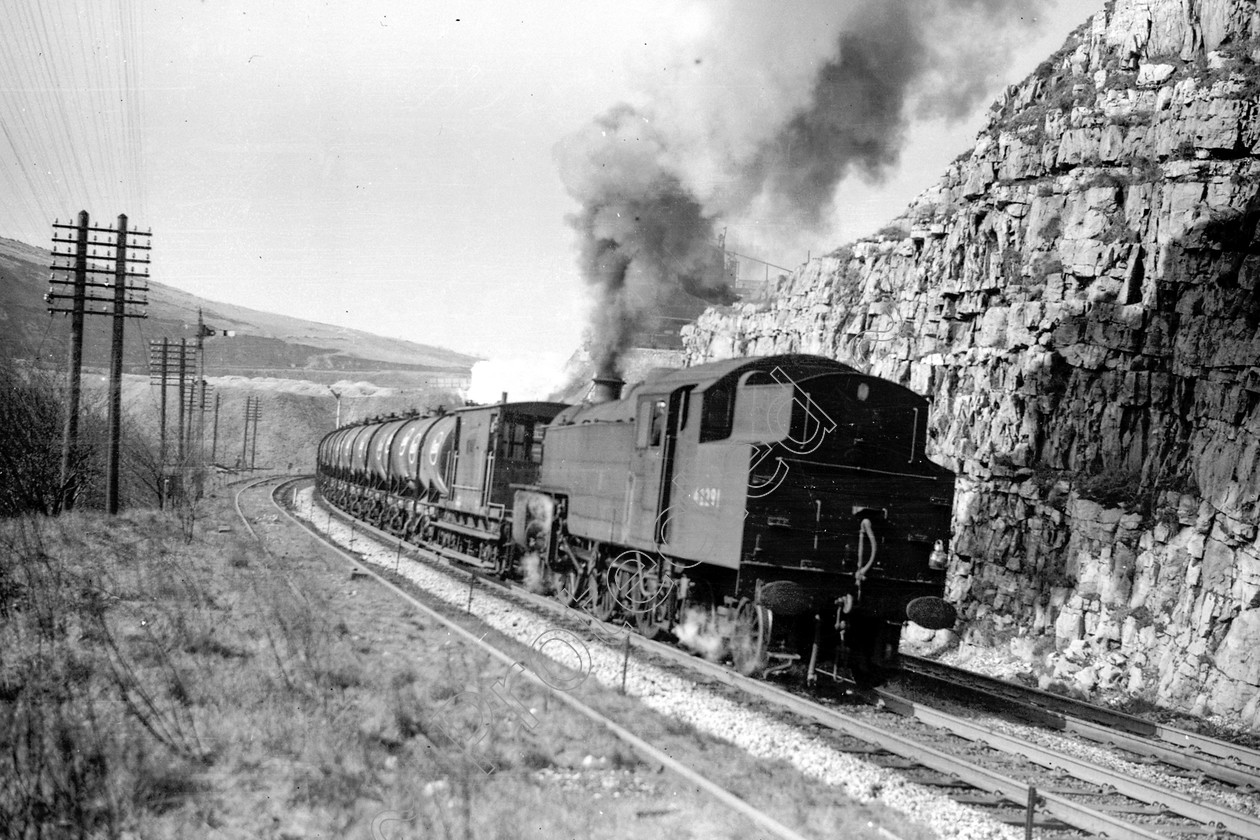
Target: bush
[[1111, 488], [31, 418], [32, 424]]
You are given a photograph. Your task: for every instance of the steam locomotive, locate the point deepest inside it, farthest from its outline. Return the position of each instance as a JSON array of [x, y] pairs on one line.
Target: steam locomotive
[[779, 511]]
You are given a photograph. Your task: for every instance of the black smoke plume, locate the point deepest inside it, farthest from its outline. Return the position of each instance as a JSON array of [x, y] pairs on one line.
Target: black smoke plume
[[756, 122]]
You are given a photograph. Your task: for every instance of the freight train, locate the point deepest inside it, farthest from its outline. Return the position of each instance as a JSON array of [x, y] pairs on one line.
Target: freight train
[[780, 511]]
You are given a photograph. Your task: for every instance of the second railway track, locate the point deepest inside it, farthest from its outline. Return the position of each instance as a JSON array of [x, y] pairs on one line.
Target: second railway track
[[1212, 757]]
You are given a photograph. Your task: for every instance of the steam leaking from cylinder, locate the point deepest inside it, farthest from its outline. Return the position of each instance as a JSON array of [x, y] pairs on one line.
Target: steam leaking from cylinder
[[753, 119]]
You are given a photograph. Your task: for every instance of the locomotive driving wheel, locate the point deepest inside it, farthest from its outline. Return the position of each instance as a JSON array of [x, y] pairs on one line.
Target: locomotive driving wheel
[[650, 600], [567, 580], [750, 638], [603, 599], [566, 583]]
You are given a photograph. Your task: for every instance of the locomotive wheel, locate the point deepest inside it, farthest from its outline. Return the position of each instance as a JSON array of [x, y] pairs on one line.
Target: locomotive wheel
[[750, 638], [603, 601], [566, 583], [569, 580], [650, 604]]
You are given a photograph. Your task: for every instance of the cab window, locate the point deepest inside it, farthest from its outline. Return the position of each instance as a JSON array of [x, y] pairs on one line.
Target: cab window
[[651, 423]]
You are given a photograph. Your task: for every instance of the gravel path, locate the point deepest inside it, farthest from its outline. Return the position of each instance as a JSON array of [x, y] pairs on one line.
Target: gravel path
[[685, 701]]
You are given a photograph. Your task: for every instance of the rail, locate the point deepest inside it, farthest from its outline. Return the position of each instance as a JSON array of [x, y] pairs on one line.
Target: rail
[[1084, 711]]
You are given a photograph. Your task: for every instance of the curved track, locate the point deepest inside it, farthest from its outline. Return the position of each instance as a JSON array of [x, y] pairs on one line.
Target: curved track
[[650, 753]]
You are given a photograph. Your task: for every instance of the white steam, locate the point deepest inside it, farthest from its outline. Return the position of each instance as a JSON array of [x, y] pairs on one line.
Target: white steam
[[524, 378], [699, 632], [532, 567]]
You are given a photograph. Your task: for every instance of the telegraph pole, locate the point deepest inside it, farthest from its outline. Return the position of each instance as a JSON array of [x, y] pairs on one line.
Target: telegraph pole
[[166, 361], [196, 402], [162, 429], [253, 411], [214, 440], [204, 332], [128, 299], [115, 368], [195, 399], [183, 380], [249, 403], [253, 450], [201, 414], [70, 435]]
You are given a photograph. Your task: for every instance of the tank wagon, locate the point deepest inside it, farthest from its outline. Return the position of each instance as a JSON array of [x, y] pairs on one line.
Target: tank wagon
[[778, 510], [444, 480]]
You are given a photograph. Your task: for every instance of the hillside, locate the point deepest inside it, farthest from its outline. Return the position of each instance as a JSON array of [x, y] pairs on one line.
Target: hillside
[[265, 344], [1079, 296], [286, 363]]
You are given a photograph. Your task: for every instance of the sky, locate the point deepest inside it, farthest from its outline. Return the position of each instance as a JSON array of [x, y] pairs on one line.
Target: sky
[[397, 167]]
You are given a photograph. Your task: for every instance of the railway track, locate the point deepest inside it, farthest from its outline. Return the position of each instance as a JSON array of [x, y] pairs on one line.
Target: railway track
[[647, 751], [1170, 810], [1205, 779], [963, 761], [1200, 754]]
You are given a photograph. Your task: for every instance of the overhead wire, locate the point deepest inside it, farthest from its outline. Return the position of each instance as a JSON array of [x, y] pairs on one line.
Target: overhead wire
[[128, 83], [55, 90], [82, 89], [138, 94], [71, 170], [71, 123], [89, 40], [106, 69], [17, 120]]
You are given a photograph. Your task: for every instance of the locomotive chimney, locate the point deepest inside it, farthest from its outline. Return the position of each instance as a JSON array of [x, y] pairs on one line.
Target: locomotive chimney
[[607, 388]]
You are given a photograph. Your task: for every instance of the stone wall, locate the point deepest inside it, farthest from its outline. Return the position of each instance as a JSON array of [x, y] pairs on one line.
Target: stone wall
[[1079, 297]]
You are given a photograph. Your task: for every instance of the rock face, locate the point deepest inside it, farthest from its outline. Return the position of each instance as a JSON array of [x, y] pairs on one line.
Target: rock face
[[1080, 297]]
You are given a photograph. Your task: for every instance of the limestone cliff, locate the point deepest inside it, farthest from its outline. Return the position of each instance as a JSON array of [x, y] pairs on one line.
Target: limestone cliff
[[1080, 297]]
